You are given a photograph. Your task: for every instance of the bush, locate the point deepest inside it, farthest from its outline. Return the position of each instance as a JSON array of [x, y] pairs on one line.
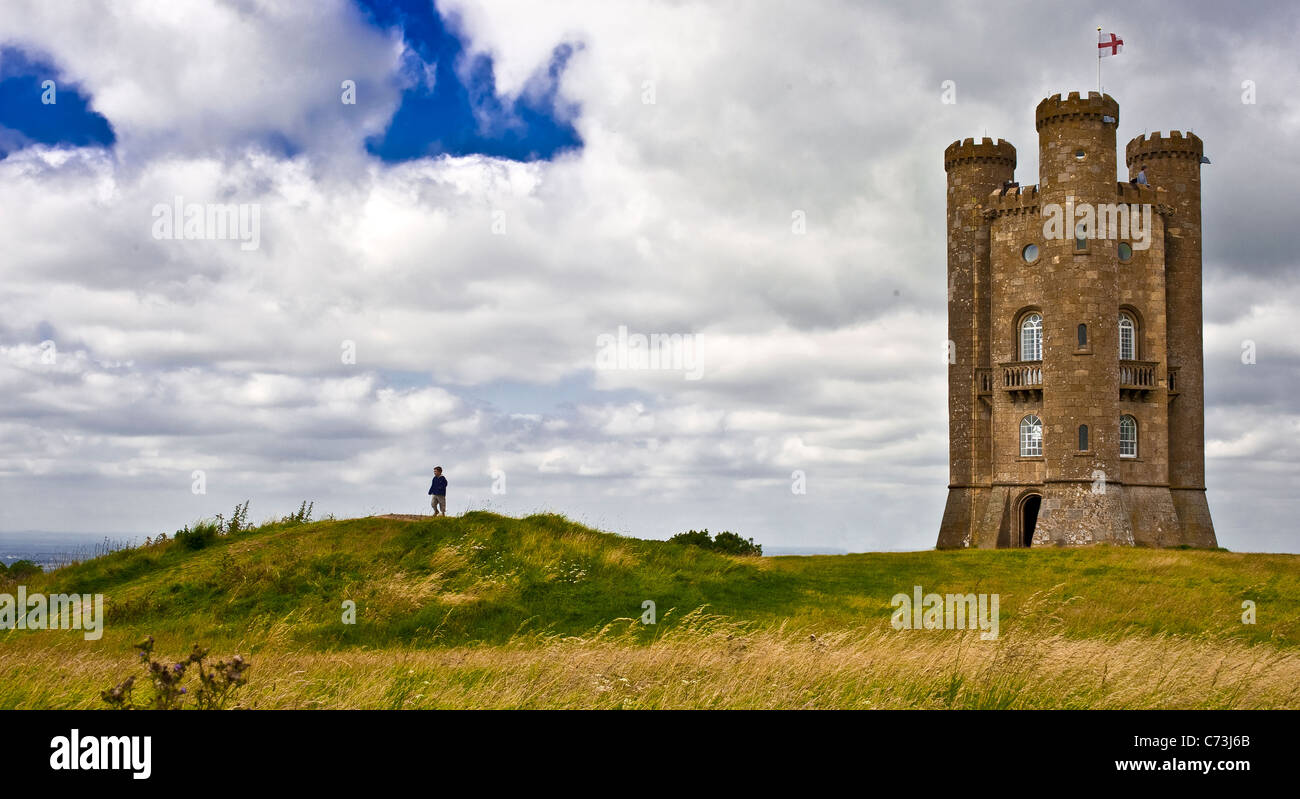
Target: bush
[[732, 544], [302, 516], [696, 539], [726, 542], [198, 536], [238, 520], [202, 533], [20, 569]]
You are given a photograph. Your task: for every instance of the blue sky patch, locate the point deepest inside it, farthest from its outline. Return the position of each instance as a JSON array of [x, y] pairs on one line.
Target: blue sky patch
[[450, 104], [25, 119]]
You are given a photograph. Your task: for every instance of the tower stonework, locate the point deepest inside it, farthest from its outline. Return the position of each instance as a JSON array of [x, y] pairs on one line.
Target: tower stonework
[[975, 170], [1075, 394], [1174, 163]]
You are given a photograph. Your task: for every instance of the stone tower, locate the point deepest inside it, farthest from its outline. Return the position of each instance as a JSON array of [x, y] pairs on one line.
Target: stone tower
[[1075, 396]]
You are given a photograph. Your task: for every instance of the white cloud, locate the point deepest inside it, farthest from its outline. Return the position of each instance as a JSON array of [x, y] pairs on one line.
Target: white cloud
[[821, 351], [203, 76]]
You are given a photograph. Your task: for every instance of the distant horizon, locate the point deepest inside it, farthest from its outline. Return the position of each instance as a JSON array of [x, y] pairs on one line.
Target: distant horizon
[[769, 550]]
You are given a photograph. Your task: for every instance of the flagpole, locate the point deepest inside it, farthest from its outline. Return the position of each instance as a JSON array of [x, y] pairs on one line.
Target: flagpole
[[1098, 61]]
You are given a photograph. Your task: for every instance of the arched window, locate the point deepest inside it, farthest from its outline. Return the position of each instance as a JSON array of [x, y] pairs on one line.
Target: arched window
[[1031, 436], [1031, 338], [1083, 438], [1127, 338], [1083, 336], [1128, 437]]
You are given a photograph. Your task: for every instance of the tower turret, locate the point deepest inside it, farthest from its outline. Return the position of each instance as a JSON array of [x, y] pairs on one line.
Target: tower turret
[[1076, 144], [1173, 162], [975, 170], [1080, 286]]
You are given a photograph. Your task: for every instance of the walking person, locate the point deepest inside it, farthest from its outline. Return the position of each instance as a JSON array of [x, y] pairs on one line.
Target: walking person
[[438, 491]]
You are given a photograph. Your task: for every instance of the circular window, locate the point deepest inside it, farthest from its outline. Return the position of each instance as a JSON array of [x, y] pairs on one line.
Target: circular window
[[1030, 253], [1125, 251], [1079, 155]]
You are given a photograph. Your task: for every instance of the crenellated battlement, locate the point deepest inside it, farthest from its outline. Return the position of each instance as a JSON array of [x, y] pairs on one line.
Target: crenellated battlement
[[1054, 109], [1155, 196], [1012, 201], [1025, 200], [1130, 193], [1176, 145], [985, 151]]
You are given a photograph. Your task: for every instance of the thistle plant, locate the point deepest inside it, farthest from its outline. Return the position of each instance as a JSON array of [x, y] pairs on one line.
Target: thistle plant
[[216, 681]]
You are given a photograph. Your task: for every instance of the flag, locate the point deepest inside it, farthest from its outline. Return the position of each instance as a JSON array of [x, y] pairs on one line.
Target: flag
[[1108, 44]]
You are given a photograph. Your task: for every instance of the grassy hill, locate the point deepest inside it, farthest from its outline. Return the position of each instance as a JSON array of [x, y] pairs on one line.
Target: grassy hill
[[488, 610]]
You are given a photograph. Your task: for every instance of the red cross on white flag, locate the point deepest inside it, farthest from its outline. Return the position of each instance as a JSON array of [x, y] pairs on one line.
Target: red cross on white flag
[[1108, 44]]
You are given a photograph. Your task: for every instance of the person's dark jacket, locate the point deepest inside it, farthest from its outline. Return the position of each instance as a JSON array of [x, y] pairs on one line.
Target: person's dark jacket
[[439, 487]]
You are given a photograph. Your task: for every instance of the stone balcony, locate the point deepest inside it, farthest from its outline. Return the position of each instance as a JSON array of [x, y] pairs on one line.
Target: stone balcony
[[1024, 379], [984, 384], [1137, 379]]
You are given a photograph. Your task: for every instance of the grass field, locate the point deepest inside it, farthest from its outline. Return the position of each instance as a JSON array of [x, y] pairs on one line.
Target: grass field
[[489, 611]]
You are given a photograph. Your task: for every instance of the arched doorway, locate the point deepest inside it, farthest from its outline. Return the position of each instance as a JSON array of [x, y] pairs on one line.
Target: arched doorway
[[1029, 518]]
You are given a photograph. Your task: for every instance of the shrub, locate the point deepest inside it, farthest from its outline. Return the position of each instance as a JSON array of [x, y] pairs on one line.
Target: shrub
[[303, 514], [695, 539], [238, 520], [732, 544], [20, 569], [726, 542], [198, 536]]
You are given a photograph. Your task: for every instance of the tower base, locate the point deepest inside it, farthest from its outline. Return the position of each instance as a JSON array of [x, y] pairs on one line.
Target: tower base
[[973, 517], [1152, 516], [1079, 514], [1074, 514], [1197, 530]]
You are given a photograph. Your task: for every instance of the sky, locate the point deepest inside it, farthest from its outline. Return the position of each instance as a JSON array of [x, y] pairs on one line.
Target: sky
[[457, 216]]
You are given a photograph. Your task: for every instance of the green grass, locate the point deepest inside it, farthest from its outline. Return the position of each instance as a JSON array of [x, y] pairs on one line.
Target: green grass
[[487, 578], [489, 610]]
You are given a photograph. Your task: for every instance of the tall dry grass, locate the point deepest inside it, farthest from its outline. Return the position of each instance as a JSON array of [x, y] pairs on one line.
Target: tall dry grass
[[710, 662]]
